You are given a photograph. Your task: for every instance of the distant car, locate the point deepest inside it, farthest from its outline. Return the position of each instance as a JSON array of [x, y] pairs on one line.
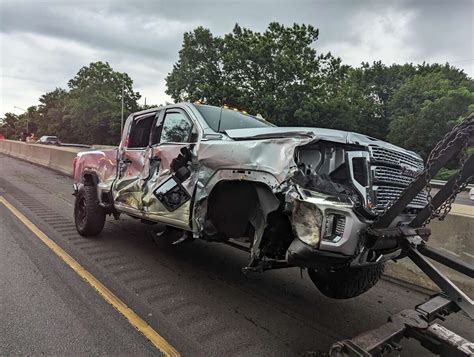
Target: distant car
[[49, 140], [471, 194]]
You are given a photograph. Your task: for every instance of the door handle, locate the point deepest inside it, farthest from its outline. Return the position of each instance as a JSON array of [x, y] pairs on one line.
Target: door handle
[[126, 161]]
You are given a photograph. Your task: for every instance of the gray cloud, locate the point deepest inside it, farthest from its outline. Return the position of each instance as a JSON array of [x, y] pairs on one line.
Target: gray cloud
[[146, 35], [44, 43], [444, 29]]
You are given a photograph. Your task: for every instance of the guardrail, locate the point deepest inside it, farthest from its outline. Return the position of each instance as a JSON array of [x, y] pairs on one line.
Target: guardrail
[[441, 183]]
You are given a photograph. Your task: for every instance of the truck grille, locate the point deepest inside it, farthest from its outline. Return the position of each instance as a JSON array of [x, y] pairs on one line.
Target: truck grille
[[390, 175], [389, 180], [394, 157], [386, 194]]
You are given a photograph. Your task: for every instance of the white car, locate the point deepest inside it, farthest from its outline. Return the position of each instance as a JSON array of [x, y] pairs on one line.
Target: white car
[[471, 194], [49, 140]]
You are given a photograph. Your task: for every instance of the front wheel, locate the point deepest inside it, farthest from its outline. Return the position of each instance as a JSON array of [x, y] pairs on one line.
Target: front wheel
[[346, 283], [88, 215]]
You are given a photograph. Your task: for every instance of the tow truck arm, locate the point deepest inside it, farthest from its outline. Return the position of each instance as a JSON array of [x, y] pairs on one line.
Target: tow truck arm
[[420, 323]]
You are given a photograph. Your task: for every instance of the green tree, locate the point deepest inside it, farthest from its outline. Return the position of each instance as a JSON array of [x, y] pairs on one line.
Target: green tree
[[273, 73], [28, 121], [197, 75], [94, 103], [10, 126], [425, 107], [53, 117], [374, 85], [379, 94]]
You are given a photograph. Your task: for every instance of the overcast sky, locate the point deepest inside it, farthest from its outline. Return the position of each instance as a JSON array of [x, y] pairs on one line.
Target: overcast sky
[[44, 43]]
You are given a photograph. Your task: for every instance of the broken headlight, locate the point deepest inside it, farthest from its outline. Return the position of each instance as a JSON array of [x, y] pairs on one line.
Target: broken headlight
[[307, 220]]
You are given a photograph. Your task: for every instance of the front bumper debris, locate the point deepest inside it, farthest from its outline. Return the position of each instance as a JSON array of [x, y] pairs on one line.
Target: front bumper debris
[[302, 255]]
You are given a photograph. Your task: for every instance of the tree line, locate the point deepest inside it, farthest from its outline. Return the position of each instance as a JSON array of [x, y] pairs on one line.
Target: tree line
[[277, 73], [87, 112]]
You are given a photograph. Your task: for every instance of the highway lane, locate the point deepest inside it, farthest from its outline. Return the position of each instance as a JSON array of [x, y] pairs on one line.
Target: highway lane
[[194, 294], [46, 309]]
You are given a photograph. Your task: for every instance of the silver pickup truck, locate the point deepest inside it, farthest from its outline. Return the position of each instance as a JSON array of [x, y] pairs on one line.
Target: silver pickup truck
[[290, 196]]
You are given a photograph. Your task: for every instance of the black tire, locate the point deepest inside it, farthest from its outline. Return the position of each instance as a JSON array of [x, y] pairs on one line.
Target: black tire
[[346, 283], [88, 215]]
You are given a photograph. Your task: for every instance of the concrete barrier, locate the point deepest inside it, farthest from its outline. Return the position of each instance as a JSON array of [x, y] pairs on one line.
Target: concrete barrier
[[454, 235], [54, 157]]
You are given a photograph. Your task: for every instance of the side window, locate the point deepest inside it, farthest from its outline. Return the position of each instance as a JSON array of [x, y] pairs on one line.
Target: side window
[[176, 128], [140, 132]]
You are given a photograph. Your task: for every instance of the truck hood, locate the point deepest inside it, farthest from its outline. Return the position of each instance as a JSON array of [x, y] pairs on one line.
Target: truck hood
[[339, 136]]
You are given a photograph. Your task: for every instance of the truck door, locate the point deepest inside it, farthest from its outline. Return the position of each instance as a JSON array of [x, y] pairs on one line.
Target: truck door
[[133, 164], [168, 191]]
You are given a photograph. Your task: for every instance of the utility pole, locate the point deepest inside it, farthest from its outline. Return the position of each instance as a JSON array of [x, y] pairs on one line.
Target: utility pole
[[121, 123], [25, 117]]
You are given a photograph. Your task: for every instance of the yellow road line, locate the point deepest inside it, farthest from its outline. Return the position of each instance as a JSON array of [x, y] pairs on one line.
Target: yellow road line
[[158, 341]]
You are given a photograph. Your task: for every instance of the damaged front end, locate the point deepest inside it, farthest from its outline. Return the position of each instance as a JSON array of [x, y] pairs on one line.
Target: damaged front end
[[341, 189], [331, 204], [305, 201], [301, 201]]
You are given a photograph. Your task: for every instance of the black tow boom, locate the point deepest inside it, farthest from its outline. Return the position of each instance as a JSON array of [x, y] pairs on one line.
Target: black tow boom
[[420, 323]]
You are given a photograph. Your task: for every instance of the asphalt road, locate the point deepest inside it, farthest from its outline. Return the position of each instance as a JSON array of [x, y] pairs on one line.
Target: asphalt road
[[47, 309], [194, 295]]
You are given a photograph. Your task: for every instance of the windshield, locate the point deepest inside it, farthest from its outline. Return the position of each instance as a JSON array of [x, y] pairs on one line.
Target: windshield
[[221, 119]]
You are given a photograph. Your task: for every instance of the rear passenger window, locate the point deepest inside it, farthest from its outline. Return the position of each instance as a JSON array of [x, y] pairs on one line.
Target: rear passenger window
[[140, 133], [176, 128]]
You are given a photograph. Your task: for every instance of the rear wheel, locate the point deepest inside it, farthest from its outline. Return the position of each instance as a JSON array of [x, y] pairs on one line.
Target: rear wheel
[[88, 215], [346, 283]]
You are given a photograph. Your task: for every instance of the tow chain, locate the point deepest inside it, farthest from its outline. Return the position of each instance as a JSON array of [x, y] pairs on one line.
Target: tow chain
[[461, 132]]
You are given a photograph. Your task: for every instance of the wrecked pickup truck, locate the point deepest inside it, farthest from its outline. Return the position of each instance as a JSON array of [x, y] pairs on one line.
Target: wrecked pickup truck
[[291, 197]]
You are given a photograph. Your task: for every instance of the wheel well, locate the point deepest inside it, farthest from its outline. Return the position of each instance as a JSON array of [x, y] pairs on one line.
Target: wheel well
[[232, 204]]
